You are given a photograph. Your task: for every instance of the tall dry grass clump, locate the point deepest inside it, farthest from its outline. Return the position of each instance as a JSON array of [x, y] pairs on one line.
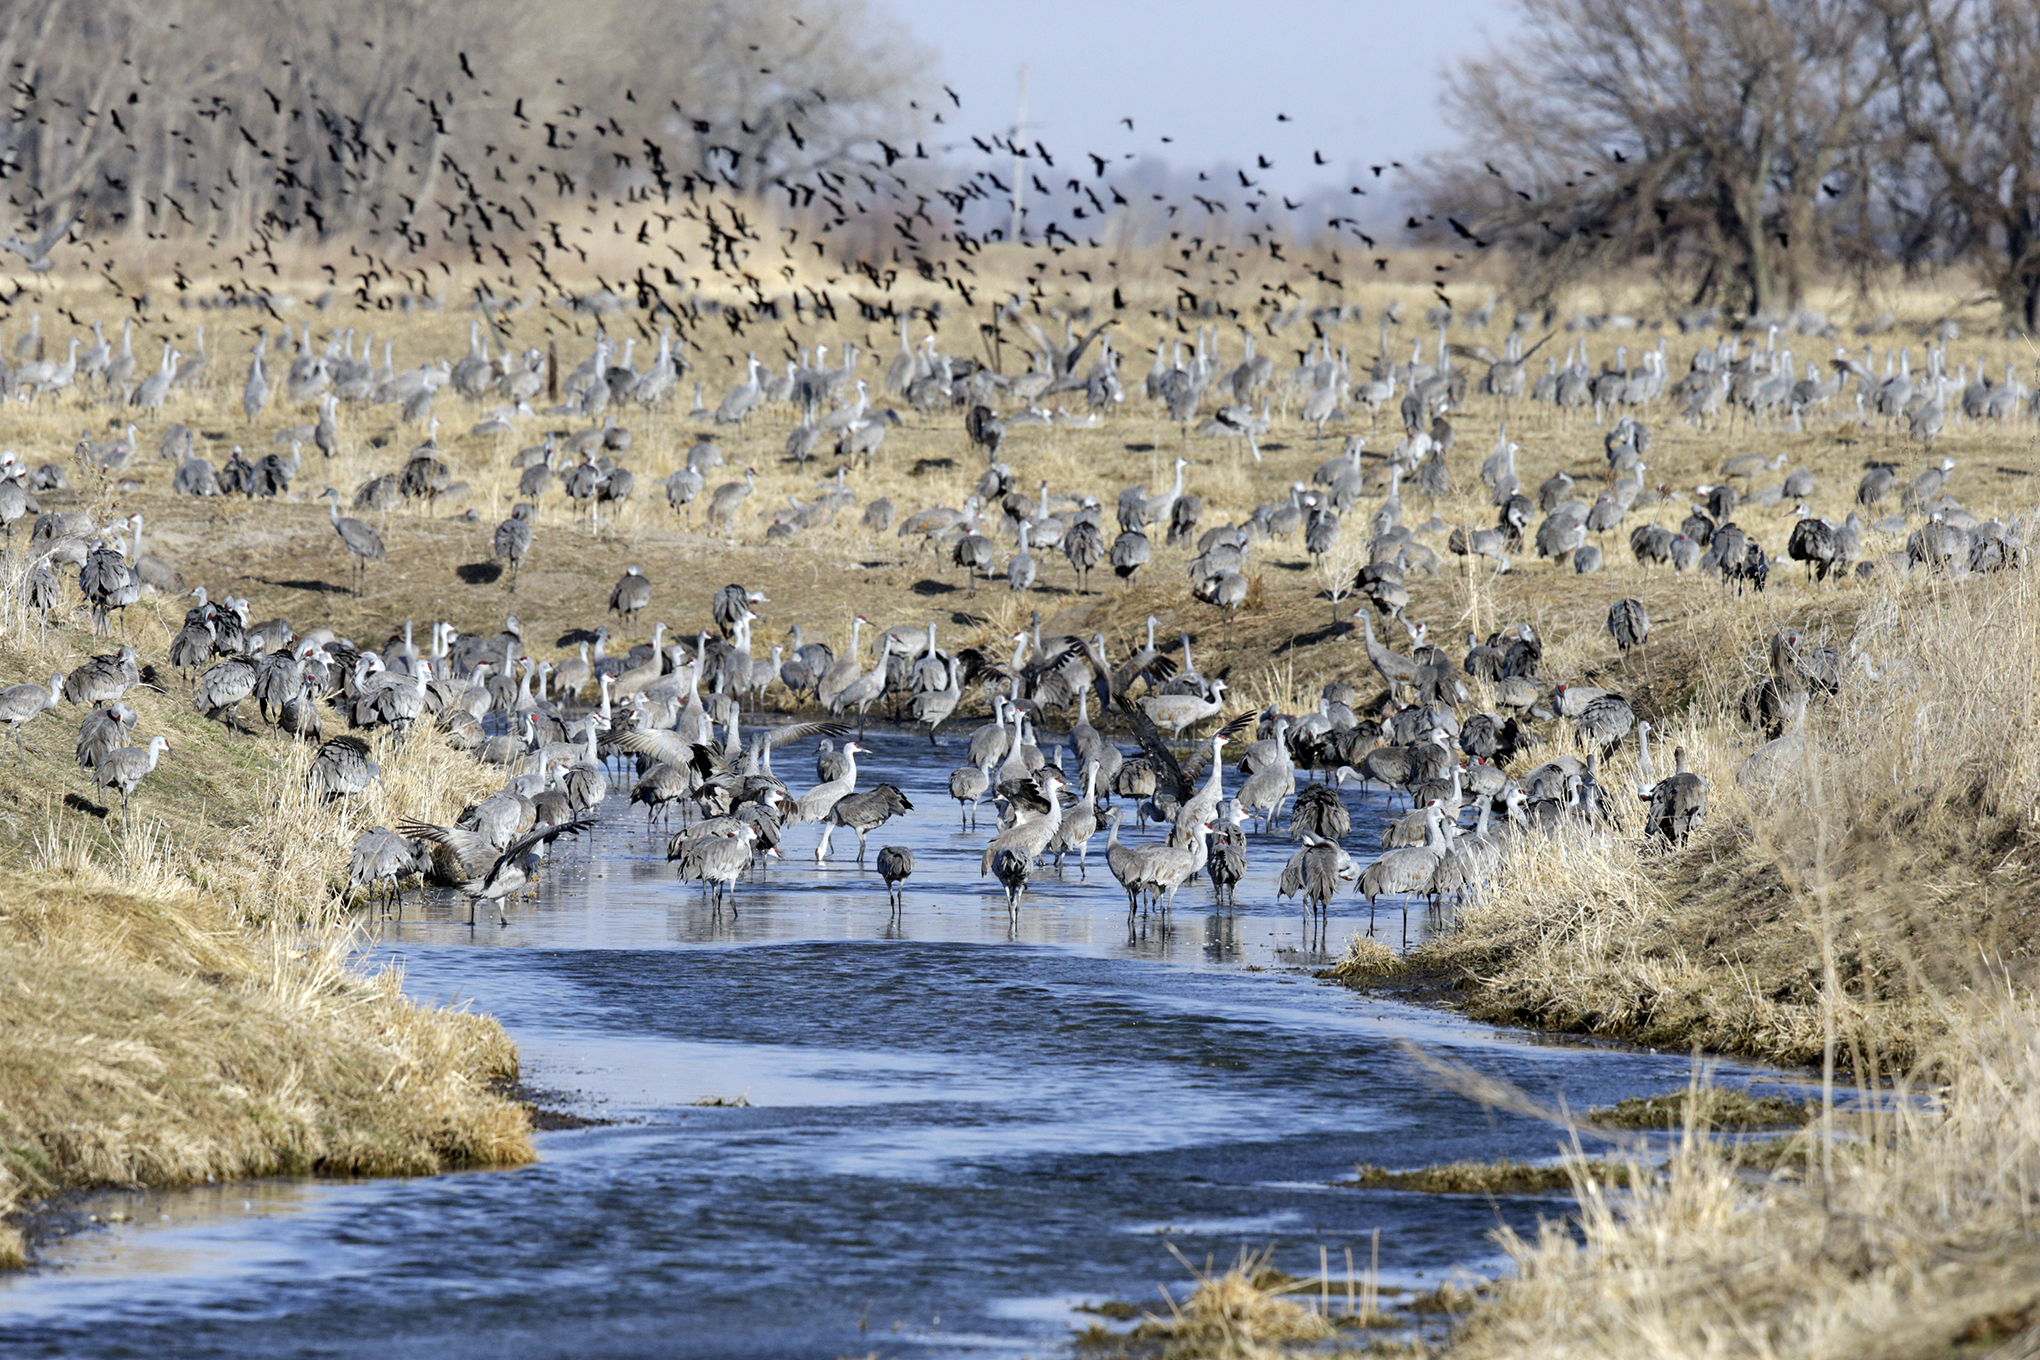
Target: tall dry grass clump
[[1916, 1237], [1852, 880], [1860, 897]]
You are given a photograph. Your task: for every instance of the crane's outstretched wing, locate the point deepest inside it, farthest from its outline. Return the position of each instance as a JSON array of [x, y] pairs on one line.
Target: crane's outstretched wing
[[665, 745], [792, 732], [472, 851], [1150, 740], [518, 848]]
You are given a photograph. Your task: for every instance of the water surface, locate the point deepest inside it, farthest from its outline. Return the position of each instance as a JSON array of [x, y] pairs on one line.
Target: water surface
[[957, 1128]]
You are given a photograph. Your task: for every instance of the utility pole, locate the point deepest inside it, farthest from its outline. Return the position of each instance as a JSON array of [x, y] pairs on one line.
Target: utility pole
[[1019, 139]]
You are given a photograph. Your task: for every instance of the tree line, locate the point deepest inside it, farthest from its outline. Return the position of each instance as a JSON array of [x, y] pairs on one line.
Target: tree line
[[1744, 149], [408, 119]]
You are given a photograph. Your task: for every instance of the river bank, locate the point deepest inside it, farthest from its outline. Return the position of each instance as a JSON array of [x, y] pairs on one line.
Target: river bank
[[183, 1002], [1858, 901]]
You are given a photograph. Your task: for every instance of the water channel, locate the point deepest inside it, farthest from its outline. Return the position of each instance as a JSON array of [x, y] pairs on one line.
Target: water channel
[[956, 1131]]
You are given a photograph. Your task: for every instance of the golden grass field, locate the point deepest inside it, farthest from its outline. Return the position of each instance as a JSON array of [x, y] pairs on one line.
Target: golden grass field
[[1870, 912]]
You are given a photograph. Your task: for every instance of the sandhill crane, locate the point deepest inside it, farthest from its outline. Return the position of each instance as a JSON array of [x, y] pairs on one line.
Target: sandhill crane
[[1408, 870], [1178, 711], [895, 866], [933, 707], [1394, 667], [1079, 824], [363, 544], [1927, 485], [19, 704], [1271, 784], [682, 487], [341, 768], [1020, 572], [226, 683], [1604, 720], [839, 671], [1012, 852], [109, 584], [255, 395], [968, 785], [1315, 871], [816, 803], [125, 767], [630, 595], [862, 813], [380, 858], [511, 872], [151, 391], [864, 689], [103, 729], [1628, 623], [1319, 811], [36, 253], [1130, 552], [1083, 543], [972, 550], [1675, 805], [102, 679], [1227, 862], [1163, 869], [512, 541], [723, 505], [740, 401]]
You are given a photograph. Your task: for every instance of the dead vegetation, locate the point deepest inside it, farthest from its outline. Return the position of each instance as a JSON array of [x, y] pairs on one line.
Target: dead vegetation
[[1840, 900], [1476, 1178], [1858, 899], [181, 1003], [1707, 1107]]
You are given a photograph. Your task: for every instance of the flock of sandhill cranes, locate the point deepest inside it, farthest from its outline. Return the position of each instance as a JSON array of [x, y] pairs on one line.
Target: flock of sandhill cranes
[[674, 708]]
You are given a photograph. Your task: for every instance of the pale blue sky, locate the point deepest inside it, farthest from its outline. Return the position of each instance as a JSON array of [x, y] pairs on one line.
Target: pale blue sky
[[1359, 81]]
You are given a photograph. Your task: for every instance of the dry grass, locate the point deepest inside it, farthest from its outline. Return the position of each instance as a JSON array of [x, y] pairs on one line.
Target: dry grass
[[1918, 1241], [1249, 1311], [1867, 906], [180, 1003], [1896, 852], [1367, 958], [1851, 910]]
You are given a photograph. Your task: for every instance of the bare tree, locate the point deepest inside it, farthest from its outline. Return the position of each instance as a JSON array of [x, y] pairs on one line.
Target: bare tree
[[1971, 111], [428, 120], [1703, 133]]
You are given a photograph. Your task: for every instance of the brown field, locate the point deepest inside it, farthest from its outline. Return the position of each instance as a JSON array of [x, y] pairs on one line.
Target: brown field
[[1869, 911]]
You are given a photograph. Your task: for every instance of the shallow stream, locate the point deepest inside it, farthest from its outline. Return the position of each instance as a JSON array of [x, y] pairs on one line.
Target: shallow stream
[[956, 1130]]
